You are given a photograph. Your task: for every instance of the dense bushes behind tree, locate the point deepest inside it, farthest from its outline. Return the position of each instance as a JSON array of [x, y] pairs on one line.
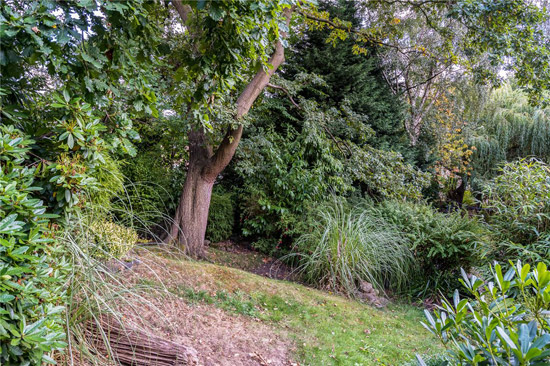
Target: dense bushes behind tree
[[351, 77], [154, 178], [299, 160], [152, 190], [442, 243], [221, 216]]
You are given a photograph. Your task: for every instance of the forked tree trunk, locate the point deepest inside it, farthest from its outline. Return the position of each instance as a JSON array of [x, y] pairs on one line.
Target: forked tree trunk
[[189, 225]]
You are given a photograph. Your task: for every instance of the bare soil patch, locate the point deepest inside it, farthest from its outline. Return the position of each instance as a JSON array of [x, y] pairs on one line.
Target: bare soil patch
[[219, 338], [241, 256]]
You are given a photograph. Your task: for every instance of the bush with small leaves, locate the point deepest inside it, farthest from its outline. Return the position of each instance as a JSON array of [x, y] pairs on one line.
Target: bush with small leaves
[[112, 240], [221, 216]]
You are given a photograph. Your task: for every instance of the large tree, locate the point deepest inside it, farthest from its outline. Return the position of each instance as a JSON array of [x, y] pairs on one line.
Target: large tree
[[349, 76], [229, 42]]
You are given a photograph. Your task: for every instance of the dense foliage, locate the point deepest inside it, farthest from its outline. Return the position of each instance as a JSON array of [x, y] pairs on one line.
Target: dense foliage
[[221, 216], [518, 201], [376, 101], [350, 78], [298, 157], [508, 128], [32, 268], [504, 322], [442, 243], [65, 108], [346, 246]]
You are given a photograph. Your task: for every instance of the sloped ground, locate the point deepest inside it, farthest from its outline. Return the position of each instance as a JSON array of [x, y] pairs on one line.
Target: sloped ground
[[220, 338], [233, 317]]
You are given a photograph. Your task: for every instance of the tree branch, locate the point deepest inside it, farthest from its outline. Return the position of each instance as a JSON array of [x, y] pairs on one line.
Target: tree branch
[[228, 146], [353, 31], [183, 10], [286, 92]]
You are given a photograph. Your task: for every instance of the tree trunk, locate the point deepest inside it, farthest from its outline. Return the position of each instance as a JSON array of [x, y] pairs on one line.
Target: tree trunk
[[193, 213], [189, 225]]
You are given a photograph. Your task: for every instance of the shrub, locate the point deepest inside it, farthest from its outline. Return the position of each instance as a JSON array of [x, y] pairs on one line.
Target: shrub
[[112, 240], [519, 202], [110, 183], [152, 193], [279, 179], [296, 161], [441, 243], [32, 269], [347, 246], [221, 217], [505, 323]]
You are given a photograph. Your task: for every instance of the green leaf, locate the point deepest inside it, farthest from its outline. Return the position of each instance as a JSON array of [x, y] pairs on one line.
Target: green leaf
[[524, 271], [20, 250], [91, 60], [506, 338], [48, 359], [6, 298], [70, 141], [66, 95], [9, 223], [420, 361], [201, 4], [215, 12]]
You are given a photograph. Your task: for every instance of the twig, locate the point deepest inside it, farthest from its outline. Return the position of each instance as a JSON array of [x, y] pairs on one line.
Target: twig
[[286, 92]]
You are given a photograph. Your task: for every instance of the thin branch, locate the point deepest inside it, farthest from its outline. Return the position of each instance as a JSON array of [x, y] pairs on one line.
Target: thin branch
[[286, 92], [350, 30]]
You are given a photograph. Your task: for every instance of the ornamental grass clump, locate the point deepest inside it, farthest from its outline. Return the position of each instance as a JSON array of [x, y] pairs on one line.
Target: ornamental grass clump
[[347, 246]]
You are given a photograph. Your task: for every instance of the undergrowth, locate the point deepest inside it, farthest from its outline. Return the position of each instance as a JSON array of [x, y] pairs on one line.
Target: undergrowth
[[347, 246]]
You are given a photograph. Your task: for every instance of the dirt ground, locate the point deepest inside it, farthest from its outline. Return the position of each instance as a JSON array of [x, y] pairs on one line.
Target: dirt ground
[[239, 255], [219, 337]]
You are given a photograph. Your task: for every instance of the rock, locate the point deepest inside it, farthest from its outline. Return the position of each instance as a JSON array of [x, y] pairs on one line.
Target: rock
[[366, 287], [370, 295]]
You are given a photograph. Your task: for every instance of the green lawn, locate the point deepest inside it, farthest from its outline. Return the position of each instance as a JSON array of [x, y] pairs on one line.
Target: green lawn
[[327, 329]]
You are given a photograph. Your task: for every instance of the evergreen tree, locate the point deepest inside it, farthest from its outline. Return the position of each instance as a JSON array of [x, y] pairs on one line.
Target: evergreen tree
[[349, 76]]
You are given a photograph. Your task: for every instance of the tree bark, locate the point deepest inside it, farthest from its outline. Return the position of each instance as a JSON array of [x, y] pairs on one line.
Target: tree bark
[[189, 225]]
